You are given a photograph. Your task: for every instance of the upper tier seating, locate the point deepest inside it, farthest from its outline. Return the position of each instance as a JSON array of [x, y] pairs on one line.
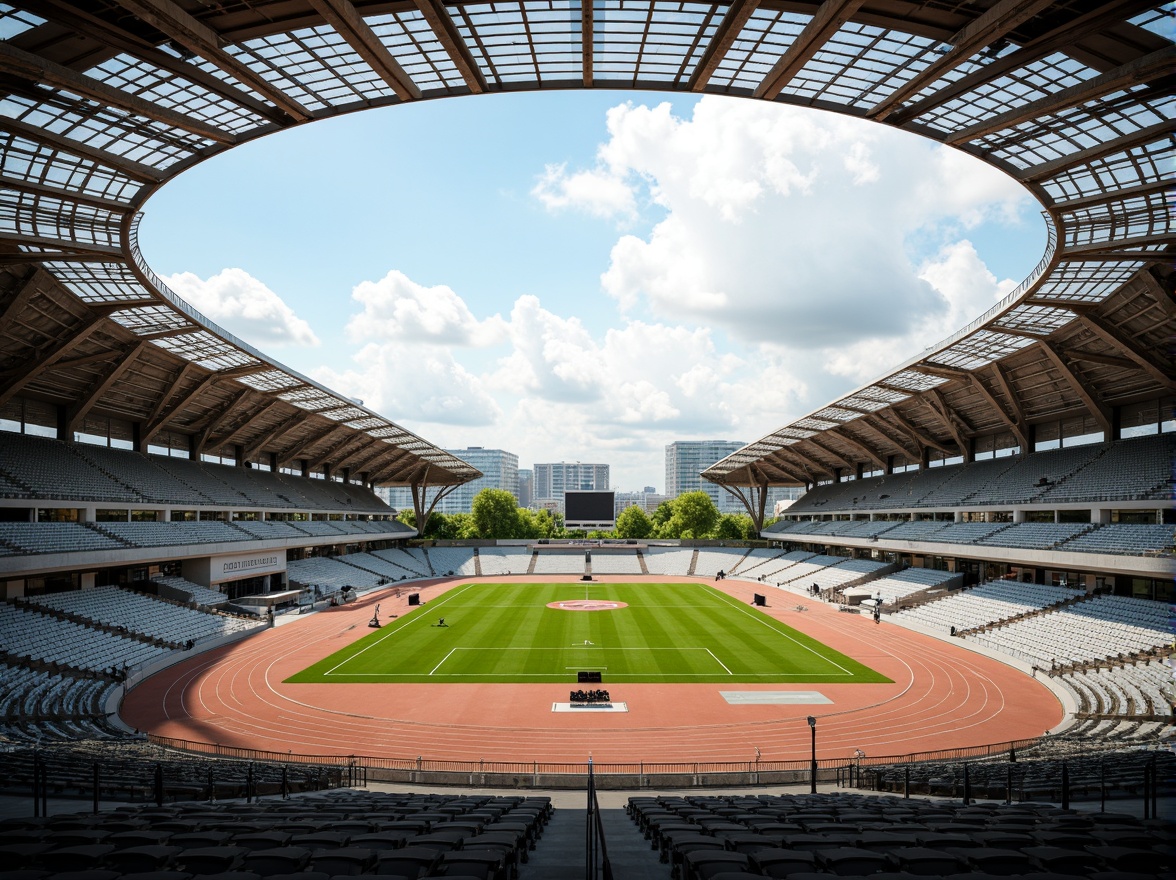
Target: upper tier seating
[[22, 538], [1125, 538], [269, 531], [174, 534], [1036, 536], [1139, 468], [44, 468], [144, 614], [40, 468], [1121, 538]]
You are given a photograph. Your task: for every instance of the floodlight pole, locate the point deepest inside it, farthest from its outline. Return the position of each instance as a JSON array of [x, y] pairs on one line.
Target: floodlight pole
[[812, 723]]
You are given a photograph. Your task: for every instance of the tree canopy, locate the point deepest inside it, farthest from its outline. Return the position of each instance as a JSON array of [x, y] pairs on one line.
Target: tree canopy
[[632, 522]]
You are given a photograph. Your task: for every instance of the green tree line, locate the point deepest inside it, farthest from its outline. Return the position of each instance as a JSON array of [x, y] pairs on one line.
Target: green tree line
[[495, 514]]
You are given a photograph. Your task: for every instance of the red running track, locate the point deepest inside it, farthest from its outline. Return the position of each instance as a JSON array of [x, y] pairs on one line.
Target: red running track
[[942, 697]]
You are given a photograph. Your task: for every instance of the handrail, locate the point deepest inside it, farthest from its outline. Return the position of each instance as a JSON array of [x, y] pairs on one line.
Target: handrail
[[420, 764]]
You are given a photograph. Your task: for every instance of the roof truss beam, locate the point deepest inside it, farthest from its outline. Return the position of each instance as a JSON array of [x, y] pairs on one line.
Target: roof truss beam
[[1046, 170], [285, 427], [1140, 357], [218, 418], [725, 35], [34, 284], [299, 446], [587, 25], [124, 41], [955, 424], [62, 345], [1089, 397], [909, 448], [345, 19], [843, 435], [107, 253], [34, 68], [126, 167], [364, 464], [996, 21], [833, 454], [66, 195], [923, 440], [1106, 14], [249, 422], [168, 18], [1018, 428], [807, 463], [442, 24], [344, 444], [1140, 70], [1005, 384], [829, 17], [391, 466], [1107, 360], [78, 412], [155, 419]]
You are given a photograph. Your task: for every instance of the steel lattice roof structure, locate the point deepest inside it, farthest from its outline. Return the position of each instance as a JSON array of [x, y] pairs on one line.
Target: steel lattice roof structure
[[106, 101]]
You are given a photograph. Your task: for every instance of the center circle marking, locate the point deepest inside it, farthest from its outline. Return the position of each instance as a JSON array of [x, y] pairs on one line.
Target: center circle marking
[[587, 605]]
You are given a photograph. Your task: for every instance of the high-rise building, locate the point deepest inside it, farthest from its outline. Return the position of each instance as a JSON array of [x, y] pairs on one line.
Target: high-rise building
[[687, 459], [554, 479], [500, 470], [647, 500], [526, 487]]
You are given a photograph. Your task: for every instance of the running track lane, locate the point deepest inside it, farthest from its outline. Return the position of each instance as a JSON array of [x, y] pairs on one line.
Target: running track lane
[[942, 697]]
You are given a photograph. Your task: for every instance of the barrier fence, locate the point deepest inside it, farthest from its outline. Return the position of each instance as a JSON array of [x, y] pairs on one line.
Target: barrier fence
[[829, 769]]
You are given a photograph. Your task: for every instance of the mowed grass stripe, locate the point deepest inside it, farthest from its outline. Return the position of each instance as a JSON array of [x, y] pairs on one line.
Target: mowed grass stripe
[[668, 633]]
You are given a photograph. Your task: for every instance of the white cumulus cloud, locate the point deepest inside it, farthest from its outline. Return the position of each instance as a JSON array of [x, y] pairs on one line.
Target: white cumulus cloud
[[398, 308], [244, 306], [787, 226]]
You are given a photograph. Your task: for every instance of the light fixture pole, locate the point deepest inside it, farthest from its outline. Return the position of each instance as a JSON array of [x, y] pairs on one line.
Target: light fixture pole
[[812, 723]]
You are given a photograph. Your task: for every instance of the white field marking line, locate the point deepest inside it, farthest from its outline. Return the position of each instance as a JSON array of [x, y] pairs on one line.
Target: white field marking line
[[601, 668], [443, 659], [764, 621], [347, 660], [720, 662]]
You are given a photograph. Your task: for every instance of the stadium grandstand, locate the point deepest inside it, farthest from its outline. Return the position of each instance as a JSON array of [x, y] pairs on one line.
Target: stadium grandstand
[[1006, 493]]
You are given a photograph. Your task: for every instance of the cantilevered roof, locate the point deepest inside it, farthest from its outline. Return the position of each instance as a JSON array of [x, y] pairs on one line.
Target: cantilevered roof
[[107, 100]]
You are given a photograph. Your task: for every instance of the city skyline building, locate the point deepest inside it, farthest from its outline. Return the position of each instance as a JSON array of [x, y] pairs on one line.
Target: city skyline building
[[500, 470], [553, 479], [687, 459], [526, 487]]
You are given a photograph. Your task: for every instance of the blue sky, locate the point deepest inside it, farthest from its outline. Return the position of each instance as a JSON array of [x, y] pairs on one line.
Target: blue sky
[[589, 276]]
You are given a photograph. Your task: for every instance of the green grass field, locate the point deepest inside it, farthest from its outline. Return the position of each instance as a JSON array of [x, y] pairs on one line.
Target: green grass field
[[506, 633]]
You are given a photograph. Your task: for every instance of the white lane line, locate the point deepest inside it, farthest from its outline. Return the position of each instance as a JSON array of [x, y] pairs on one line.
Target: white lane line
[[764, 620], [442, 663], [720, 662], [410, 620]]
